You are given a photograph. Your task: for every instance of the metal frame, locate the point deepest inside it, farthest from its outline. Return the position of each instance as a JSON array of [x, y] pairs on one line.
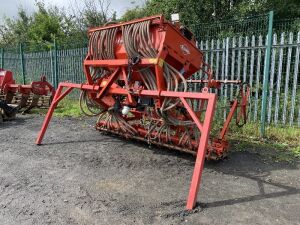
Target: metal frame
[[204, 127], [9, 89], [106, 91]]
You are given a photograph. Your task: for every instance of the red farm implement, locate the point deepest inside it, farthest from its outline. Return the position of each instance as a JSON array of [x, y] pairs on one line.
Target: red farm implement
[[23, 97], [137, 78]]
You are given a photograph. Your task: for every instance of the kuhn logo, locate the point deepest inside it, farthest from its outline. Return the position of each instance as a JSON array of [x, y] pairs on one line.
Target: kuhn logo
[[185, 50]]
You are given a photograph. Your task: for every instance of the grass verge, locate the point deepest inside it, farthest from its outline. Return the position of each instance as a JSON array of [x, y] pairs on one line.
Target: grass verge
[[279, 144], [66, 107]]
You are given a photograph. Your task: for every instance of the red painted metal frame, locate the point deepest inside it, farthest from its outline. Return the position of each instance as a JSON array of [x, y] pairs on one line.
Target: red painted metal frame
[[167, 39], [204, 127], [7, 84]]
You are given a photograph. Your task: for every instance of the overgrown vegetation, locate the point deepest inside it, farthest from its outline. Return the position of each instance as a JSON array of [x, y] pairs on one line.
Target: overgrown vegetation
[[280, 143]]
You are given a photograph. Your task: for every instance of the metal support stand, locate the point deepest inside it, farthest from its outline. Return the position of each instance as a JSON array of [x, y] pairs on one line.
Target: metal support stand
[[204, 127]]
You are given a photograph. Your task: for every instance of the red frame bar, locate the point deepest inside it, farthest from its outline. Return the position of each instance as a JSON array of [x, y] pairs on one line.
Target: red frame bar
[[57, 98], [111, 79], [228, 119], [205, 130], [119, 62]]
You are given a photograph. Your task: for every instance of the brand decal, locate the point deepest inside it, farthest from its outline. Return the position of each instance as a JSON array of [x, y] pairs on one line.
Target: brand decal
[[185, 50]]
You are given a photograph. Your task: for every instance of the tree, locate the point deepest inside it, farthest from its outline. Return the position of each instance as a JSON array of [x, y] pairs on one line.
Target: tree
[[189, 10], [134, 13], [47, 24], [14, 31], [195, 11], [93, 13]]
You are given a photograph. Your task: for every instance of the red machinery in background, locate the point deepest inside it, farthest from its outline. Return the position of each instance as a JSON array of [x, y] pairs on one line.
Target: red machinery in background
[[25, 97], [137, 84]]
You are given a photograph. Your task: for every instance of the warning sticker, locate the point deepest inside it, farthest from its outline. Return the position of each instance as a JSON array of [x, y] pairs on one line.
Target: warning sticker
[[185, 50]]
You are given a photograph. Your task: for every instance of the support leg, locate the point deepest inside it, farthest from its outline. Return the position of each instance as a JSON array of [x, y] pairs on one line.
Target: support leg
[[58, 97], [228, 120], [205, 130]]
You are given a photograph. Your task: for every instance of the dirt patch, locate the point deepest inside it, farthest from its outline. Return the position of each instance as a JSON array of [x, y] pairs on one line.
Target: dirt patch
[[80, 176]]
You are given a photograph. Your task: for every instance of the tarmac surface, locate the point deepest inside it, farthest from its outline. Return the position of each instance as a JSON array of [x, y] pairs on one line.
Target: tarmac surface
[[80, 176]]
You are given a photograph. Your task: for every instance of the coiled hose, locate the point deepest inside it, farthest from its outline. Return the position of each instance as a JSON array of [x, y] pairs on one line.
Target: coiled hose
[[138, 42]]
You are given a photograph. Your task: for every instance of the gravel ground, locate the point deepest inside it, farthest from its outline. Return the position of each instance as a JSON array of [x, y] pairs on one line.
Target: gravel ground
[[80, 176]]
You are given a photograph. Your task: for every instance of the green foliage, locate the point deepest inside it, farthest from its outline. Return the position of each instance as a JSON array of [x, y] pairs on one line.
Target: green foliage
[[207, 11], [13, 31], [268, 151], [46, 25], [66, 108], [287, 9], [283, 140], [51, 23], [135, 13], [218, 19], [190, 10], [92, 15]]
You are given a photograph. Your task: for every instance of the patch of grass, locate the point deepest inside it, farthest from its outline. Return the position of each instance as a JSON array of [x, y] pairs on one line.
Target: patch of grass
[[285, 136], [66, 107], [279, 144]]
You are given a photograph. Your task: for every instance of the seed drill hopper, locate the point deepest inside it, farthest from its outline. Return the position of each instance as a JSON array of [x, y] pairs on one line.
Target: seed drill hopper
[[18, 97], [137, 75]]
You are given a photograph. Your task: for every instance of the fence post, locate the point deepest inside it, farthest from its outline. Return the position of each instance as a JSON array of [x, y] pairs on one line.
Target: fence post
[[266, 76], [55, 65], [2, 58], [52, 64], [22, 63]]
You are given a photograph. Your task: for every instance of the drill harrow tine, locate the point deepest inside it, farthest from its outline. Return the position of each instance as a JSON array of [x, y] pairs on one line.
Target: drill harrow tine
[[33, 103], [24, 101], [9, 97], [25, 97]]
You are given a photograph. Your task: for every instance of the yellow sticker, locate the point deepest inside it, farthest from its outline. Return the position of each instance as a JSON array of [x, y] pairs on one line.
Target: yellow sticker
[[153, 60], [157, 61], [161, 62]]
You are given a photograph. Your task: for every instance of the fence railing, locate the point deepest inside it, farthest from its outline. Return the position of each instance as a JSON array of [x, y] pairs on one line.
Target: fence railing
[[56, 64], [244, 58]]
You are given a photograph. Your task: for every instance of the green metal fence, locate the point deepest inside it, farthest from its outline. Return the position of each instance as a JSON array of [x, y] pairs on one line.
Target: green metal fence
[[252, 49], [57, 64], [248, 49]]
